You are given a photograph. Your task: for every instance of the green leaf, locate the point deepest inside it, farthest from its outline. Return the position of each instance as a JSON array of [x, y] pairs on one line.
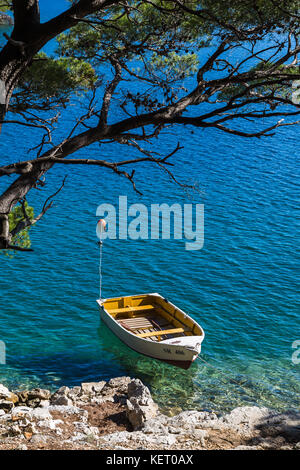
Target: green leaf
[[22, 238], [53, 79]]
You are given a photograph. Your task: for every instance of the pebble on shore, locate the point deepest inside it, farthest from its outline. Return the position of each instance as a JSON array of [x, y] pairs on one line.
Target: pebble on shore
[[121, 414]]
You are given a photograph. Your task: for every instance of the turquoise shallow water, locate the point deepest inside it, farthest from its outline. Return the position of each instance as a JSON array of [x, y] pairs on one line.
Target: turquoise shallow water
[[241, 287]]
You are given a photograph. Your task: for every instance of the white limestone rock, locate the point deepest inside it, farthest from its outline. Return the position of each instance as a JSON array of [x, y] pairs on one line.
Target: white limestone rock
[[140, 405], [60, 397]]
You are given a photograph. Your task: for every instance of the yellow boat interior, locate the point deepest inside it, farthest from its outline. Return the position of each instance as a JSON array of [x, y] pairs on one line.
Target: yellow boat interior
[[151, 317]]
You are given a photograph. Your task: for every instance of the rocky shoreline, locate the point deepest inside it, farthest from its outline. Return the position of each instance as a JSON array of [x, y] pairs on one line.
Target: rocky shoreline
[[121, 415]]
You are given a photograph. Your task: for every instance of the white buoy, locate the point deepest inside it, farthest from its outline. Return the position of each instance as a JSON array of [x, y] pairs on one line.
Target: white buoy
[[100, 229]]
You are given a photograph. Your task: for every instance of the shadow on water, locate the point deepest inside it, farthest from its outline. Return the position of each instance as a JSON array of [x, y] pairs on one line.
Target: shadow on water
[[55, 370]]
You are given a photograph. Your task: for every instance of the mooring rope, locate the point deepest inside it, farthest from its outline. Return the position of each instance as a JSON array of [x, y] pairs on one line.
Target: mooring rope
[[101, 225], [100, 270]]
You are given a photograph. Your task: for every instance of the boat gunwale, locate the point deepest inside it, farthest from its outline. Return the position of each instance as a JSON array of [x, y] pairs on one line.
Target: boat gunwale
[[102, 301]]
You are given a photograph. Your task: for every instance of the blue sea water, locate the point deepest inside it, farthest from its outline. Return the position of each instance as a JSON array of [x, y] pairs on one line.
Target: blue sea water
[[241, 287]]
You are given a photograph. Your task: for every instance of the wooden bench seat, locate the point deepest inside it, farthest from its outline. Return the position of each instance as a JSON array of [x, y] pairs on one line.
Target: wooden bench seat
[[150, 322], [131, 309], [138, 320], [129, 326]]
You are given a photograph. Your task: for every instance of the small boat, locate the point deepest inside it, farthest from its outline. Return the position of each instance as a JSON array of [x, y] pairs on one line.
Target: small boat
[[151, 325]]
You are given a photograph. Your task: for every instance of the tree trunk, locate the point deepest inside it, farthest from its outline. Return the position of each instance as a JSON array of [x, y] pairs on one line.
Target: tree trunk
[[20, 48], [26, 18]]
